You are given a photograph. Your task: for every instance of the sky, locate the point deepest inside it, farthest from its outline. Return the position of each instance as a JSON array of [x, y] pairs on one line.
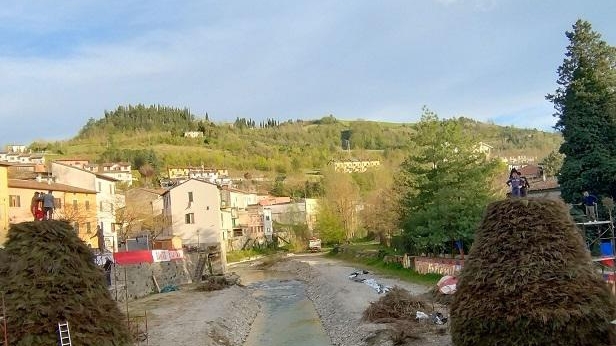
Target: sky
[[63, 62]]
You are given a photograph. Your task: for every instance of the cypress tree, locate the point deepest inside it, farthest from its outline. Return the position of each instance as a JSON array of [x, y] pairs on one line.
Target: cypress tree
[[585, 107]]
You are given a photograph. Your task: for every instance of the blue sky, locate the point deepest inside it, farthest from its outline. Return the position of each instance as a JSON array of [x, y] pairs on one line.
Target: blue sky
[[62, 62]]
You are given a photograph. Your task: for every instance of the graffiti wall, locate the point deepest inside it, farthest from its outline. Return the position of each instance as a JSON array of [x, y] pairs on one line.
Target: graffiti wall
[[443, 266]]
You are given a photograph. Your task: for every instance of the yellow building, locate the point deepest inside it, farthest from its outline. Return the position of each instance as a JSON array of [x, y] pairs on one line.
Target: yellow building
[[76, 205], [4, 198], [351, 166]]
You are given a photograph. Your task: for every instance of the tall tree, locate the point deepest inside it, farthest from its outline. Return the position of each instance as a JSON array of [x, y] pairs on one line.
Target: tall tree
[[342, 196], [585, 107], [444, 185]]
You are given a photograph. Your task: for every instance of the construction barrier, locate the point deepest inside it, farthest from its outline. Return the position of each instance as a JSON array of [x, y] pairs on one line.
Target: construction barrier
[[147, 256]]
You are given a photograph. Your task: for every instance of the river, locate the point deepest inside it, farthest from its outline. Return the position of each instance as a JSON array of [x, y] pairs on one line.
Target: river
[[287, 316]]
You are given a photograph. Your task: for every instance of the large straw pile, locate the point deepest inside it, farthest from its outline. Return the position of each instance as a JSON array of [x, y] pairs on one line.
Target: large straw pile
[[48, 276], [529, 280]]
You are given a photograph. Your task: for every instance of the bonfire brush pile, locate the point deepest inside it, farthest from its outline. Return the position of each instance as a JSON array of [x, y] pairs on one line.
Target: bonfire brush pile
[[529, 280], [399, 309], [48, 276]]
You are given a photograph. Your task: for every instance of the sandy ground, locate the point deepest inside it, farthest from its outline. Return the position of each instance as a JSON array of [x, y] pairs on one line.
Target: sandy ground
[[189, 317]]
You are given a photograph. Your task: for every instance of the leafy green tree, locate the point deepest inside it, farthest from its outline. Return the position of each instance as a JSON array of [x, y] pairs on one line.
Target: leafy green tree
[[329, 224], [342, 195], [444, 185], [585, 107], [552, 163]]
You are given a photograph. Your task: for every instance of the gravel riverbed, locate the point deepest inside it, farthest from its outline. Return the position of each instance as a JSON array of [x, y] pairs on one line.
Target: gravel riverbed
[[224, 318]]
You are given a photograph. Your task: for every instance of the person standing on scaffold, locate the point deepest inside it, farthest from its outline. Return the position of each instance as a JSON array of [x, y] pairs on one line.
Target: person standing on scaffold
[[590, 203]]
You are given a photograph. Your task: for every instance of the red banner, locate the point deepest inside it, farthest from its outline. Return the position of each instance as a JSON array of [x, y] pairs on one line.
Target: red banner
[[133, 257]]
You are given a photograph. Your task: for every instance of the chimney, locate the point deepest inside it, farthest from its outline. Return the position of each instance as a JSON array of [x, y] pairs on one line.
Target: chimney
[[39, 178]]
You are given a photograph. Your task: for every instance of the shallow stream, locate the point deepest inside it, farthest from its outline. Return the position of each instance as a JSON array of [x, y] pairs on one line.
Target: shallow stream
[[287, 316]]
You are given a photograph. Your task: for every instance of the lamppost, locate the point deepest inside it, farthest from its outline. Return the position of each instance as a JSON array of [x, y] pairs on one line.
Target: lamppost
[[198, 240]]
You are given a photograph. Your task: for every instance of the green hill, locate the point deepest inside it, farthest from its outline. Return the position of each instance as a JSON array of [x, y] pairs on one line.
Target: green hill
[[155, 134]]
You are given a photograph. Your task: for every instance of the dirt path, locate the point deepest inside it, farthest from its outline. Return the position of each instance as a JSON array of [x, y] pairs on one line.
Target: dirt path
[[189, 317]]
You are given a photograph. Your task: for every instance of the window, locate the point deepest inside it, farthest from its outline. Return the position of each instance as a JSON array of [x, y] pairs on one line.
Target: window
[[74, 204], [189, 218], [57, 203], [76, 227], [88, 228], [87, 205], [100, 187], [100, 206], [190, 196], [14, 201], [267, 218], [207, 208]]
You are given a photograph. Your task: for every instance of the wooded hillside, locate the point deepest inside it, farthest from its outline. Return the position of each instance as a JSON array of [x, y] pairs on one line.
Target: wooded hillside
[[155, 134]]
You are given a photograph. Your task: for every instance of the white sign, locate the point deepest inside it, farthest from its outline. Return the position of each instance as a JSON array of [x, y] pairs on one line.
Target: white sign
[[176, 254], [161, 256]]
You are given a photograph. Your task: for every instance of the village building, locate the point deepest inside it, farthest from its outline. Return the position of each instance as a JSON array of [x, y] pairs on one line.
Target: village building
[[108, 202], [192, 209], [354, 166], [73, 204]]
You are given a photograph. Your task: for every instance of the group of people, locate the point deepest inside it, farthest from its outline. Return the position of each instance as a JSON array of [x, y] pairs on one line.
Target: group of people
[[519, 184], [42, 205]]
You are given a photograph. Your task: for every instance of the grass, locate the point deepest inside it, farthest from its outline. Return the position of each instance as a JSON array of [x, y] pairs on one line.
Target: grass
[[389, 269]]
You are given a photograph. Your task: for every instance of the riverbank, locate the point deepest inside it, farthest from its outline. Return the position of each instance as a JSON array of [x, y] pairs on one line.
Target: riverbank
[[224, 318]]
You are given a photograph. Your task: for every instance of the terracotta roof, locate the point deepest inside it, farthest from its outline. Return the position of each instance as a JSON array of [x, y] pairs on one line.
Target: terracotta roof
[[530, 171], [44, 186], [160, 191], [539, 185]]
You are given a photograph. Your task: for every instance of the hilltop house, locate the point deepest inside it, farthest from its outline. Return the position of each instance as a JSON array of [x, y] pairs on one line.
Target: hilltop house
[[351, 166], [76, 205], [107, 201]]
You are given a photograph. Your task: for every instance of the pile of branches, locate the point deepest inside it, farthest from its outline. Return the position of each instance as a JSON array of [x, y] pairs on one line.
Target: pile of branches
[[218, 282], [399, 309], [529, 280], [48, 276]]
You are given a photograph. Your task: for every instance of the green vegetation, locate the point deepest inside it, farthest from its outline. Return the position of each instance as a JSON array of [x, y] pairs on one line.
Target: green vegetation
[[389, 269], [584, 103], [444, 186], [154, 134], [238, 255]]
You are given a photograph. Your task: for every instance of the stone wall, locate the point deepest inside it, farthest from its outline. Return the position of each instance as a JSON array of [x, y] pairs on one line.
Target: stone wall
[[137, 280], [134, 281]]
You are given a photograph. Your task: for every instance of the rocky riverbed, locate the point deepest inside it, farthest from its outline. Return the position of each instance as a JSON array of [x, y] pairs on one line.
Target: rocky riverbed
[[225, 317]]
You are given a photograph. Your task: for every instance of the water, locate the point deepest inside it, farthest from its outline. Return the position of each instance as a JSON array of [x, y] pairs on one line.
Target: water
[[287, 316]]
